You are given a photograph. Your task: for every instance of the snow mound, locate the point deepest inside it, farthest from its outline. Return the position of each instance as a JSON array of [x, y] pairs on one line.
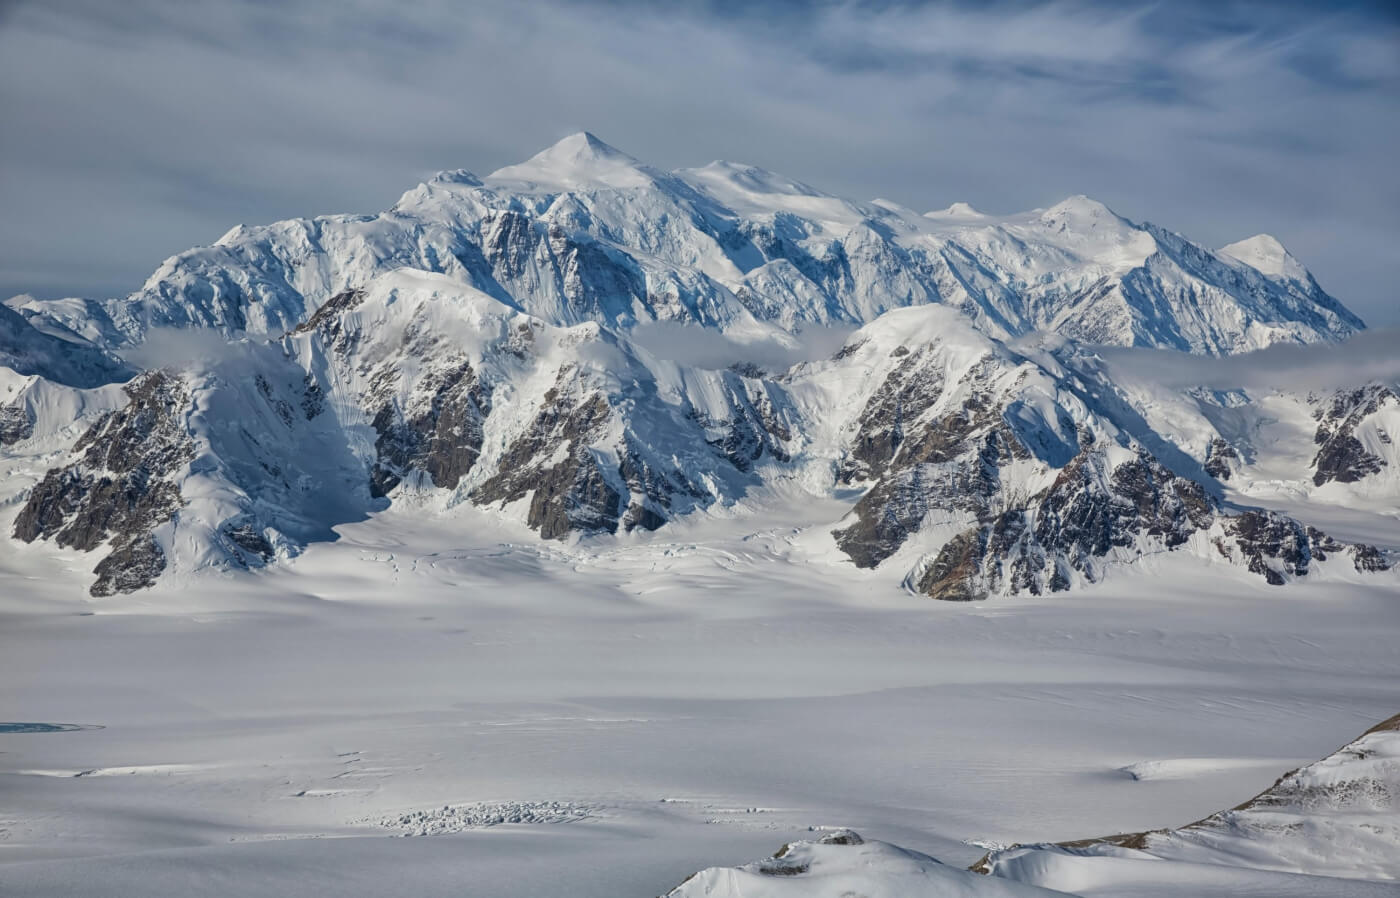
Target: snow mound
[[842, 864]]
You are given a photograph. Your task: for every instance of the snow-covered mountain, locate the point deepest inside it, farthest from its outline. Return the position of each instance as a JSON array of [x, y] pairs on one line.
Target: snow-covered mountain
[[583, 232], [485, 342]]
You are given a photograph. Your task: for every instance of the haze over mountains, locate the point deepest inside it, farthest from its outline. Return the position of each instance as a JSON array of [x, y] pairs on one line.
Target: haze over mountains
[[509, 342]]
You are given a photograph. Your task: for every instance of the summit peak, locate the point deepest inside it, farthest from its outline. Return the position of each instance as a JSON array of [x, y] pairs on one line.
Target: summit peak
[[1265, 254], [578, 160]]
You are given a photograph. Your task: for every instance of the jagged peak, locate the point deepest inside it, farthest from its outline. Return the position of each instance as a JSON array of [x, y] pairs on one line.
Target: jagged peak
[[579, 160], [1265, 254]]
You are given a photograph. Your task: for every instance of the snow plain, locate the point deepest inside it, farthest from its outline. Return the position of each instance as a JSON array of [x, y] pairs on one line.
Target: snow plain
[[607, 718]]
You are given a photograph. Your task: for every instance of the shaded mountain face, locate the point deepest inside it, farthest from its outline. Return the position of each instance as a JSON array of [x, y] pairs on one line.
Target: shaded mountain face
[[56, 354], [475, 344]]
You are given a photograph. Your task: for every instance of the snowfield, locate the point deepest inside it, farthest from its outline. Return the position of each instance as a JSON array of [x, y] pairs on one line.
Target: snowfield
[[678, 704]]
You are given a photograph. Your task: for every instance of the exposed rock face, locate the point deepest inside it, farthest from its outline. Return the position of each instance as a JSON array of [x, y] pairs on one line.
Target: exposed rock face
[[553, 459], [1369, 559], [1341, 457], [1219, 457], [756, 424], [956, 574], [327, 319], [118, 488], [439, 432], [1271, 545], [16, 423], [248, 542], [134, 564], [924, 458], [904, 396], [1093, 511]]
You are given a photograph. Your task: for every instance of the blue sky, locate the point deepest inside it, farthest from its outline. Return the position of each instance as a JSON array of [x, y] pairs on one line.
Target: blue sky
[[133, 130]]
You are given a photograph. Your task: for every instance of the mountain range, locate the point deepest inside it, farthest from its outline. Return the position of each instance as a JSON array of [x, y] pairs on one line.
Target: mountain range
[[593, 348]]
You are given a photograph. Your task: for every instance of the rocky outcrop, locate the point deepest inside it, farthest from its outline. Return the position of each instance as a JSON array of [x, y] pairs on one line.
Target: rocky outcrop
[[16, 423], [903, 397], [438, 431], [1221, 458], [1341, 457], [756, 424], [119, 488], [1271, 545], [925, 458], [1094, 512], [553, 462]]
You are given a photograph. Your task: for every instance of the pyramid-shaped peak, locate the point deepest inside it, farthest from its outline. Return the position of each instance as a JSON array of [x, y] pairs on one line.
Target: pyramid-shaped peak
[[1265, 254], [579, 160], [584, 144]]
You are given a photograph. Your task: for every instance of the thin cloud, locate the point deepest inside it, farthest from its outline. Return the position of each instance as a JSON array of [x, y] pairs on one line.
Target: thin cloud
[[703, 347], [1369, 356]]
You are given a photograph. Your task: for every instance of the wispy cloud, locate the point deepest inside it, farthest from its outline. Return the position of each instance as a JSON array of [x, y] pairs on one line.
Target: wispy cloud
[[133, 130], [1366, 357], [707, 348]]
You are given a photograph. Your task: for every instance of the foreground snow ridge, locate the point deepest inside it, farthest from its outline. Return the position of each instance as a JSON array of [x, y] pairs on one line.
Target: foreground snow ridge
[[1331, 827], [1338, 817], [842, 864]]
